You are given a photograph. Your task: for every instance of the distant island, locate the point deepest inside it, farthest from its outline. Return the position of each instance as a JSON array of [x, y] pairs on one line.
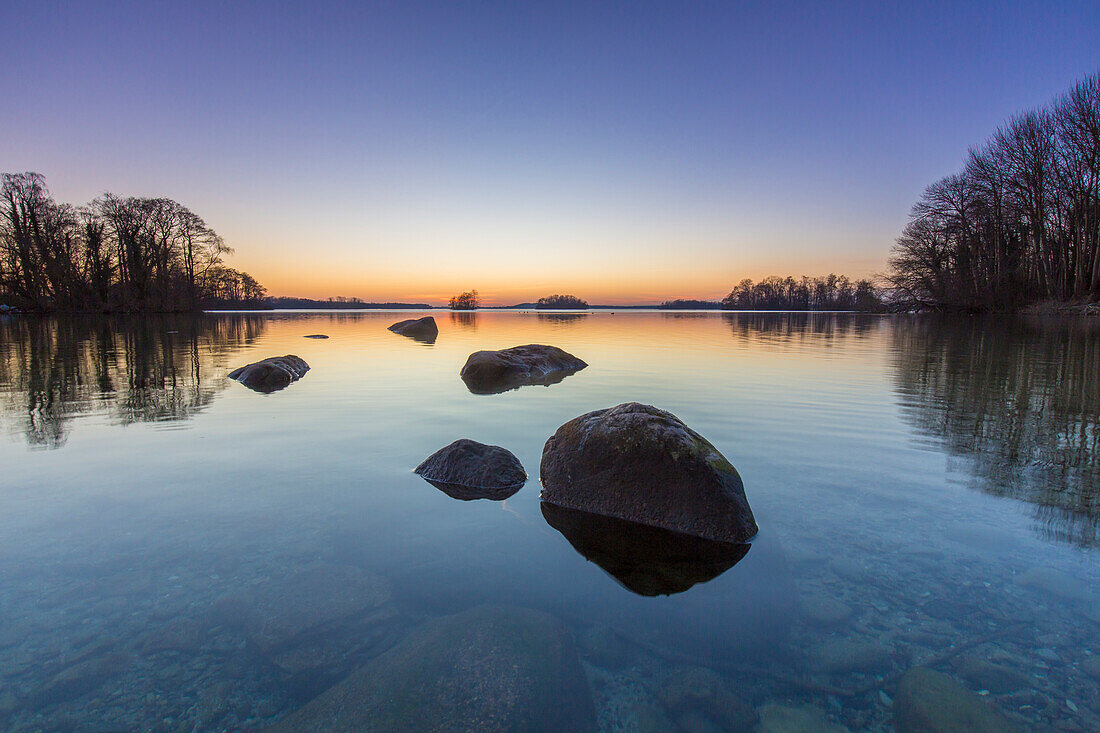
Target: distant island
[[561, 302], [337, 303]]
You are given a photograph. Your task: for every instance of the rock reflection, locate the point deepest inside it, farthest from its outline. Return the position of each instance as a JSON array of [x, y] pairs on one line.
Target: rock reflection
[[645, 560], [1021, 400], [148, 370], [470, 493]]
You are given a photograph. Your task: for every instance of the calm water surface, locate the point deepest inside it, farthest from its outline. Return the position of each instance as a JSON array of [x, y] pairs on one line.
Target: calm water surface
[[181, 553]]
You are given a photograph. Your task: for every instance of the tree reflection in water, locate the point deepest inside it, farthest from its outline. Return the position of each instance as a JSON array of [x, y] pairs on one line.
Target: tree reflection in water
[[134, 370], [1020, 398], [793, 327]]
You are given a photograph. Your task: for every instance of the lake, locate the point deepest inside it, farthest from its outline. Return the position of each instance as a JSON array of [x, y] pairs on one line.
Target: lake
[[182, 553]]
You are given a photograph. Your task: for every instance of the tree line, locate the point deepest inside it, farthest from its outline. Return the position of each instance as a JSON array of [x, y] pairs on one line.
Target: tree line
[[828, 293], [1019, 224], [336, 303], [129, 254]]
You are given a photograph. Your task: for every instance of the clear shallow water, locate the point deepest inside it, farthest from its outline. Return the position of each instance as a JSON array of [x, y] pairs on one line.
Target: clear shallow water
[[181, 553]]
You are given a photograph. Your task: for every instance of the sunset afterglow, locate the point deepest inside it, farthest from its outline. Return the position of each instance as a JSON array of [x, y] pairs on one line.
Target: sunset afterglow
[[627, 154]]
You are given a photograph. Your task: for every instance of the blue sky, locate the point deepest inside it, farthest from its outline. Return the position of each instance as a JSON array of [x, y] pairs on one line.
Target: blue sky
[[622, 151]]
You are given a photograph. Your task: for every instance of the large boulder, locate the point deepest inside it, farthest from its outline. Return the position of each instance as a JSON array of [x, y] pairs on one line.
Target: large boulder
[[466, 469], [647, 560], [489, 668], [933, 702], [492, 372], [419, 329], [272, 374], [644, 465]]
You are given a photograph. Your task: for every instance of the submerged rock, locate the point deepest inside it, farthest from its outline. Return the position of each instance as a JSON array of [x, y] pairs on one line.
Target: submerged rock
[[932, 702], [706, 699], [279, 610], [796, 719], [423, 329], [489, 668], [642, 464], [842, 655], [999, 679], [1056, 583], [80, 679], [825, 610], [466, 470], [647, 560], [492, 372], [272, 374]]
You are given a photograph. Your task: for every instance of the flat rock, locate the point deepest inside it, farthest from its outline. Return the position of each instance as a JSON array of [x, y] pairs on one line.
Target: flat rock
[[642, 464], [492, 372], [466, 469], [423, 329], [489, 668], [932, 702], [271, 374], [316, 336], [796, 719]]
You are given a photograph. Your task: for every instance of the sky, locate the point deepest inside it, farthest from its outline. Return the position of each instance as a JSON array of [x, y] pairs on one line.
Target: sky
[[623, 152]]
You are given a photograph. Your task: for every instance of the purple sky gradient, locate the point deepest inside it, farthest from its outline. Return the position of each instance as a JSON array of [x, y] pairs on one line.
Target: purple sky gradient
[[627, 151]]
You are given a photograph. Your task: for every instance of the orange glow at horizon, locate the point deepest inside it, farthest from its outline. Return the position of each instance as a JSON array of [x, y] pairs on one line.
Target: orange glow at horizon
[[635, 284]]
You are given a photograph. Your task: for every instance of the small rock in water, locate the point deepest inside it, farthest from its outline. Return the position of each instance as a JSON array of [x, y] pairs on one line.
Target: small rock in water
[[316, 336], [272, 374], [642, 464], [466, 469], [423, 329], [932, 702], [493, 372], [796, 719]]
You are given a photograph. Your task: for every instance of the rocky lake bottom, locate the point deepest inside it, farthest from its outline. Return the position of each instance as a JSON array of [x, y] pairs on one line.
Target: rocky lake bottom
[[183, 554]]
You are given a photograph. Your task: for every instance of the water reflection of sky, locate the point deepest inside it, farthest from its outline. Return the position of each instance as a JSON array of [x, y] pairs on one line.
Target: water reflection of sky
[[859, 439]]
